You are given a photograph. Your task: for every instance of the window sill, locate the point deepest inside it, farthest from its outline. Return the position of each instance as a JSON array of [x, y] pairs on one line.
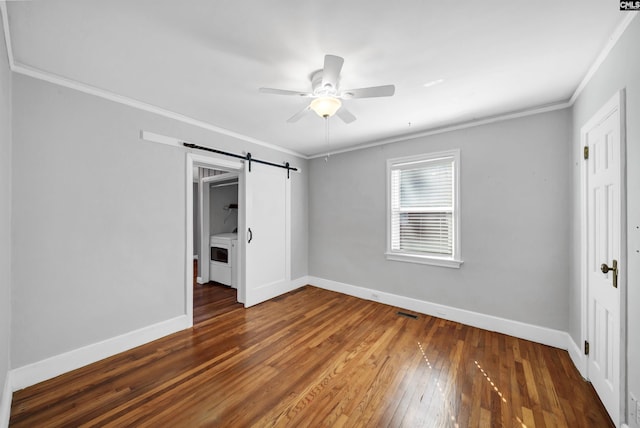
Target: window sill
[[425, 260]]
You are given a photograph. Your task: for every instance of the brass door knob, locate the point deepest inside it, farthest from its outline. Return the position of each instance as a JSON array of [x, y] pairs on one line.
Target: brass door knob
[[614, 268]]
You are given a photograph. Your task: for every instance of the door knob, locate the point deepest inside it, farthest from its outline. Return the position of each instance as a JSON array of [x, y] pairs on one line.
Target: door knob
[[604, 268], [614, 268]]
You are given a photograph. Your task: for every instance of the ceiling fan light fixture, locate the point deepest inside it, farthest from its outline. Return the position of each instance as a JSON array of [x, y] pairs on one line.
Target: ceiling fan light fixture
[[325, 106]]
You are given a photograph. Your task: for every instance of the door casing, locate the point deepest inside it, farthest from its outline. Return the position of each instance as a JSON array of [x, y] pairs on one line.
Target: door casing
[[204, 217]]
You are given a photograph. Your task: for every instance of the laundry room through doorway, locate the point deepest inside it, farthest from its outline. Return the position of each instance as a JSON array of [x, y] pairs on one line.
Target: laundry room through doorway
[[215, 229]]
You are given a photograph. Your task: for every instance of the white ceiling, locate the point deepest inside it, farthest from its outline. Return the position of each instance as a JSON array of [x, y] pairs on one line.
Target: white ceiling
[[206, 59]]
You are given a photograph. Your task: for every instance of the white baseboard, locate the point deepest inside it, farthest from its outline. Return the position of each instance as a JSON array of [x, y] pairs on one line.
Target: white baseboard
[[270, 291], [195, 257], [544, 335], [40, 371], [31, 374], [5, 401], [577, 356], [299, 282]]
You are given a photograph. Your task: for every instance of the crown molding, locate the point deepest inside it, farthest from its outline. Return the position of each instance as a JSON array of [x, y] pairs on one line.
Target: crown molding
[[450, 128], [140, 105], [613, 40], [69, 83], [7, 35], [131, 102]]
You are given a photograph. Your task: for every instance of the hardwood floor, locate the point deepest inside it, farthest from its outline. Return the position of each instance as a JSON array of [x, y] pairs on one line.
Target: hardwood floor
[[211, 301], [318, 358]]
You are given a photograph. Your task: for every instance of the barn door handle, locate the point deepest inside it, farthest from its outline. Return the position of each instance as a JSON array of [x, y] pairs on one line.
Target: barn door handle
[[605, 269], [250, 233]]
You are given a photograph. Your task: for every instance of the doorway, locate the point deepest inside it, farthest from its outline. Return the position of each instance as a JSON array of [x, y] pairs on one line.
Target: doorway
[[603, 254], [202, 227], [216, 222]]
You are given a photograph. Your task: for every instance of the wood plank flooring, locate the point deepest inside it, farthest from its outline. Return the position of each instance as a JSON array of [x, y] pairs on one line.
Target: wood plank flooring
[[316, 358]]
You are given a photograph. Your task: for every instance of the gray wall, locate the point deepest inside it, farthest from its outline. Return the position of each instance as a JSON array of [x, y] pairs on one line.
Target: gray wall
[[221, 197], [5, 212], [99, 218], [515, 199], [620, 70]]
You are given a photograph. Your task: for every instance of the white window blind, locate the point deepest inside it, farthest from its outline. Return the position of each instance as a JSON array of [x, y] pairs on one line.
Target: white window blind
[[422, 199]]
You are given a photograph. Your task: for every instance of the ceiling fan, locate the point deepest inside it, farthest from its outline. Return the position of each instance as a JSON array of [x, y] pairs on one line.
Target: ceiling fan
[[327, 95]]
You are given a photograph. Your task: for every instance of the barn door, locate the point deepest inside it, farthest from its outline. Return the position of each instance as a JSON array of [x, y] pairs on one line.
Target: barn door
[[267, 258]]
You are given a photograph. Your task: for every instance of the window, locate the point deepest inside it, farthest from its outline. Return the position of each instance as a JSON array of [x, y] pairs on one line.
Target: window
[[423, 209]]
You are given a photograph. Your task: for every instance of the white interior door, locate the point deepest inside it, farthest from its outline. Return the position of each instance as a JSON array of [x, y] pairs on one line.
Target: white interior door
[[267, 233], [604, 247]]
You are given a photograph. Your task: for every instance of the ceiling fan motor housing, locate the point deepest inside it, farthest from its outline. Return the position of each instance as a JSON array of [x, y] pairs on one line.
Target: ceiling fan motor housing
[[318, 89]]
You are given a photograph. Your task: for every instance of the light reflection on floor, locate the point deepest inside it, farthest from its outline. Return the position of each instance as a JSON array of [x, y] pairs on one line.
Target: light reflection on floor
[[495, 388], [447, 405]]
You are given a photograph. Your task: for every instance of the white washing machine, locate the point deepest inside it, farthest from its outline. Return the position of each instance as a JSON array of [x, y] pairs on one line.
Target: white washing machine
[[224, 258]]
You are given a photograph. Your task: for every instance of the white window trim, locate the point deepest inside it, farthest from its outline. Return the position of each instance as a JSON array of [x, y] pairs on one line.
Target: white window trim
[[455, 261]]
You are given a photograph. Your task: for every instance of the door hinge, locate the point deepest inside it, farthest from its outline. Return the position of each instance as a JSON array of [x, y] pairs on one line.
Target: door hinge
[[585, 152], [586, 347]]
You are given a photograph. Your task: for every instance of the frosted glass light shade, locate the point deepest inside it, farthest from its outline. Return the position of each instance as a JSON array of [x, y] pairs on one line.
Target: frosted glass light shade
[[325, 106]]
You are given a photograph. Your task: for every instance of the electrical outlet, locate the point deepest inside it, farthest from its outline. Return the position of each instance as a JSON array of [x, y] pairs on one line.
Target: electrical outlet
[[440, 312]]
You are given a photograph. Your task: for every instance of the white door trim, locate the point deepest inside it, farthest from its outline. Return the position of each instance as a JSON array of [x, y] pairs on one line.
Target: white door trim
[[212, 162], [203, 229], [617, 102], [204, 217]]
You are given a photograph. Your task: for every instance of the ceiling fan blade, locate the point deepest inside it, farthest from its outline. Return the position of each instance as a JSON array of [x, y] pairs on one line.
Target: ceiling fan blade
[[331, 71], [374, 91], [345, 115], [296, 117], [284, 92]]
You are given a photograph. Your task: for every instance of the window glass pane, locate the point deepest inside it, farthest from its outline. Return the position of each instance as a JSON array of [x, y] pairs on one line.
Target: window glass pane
[[426, 232], [422, 207], [428, 186]]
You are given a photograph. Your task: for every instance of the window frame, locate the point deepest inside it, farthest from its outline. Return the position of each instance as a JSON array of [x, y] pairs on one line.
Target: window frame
[[453, 261]]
